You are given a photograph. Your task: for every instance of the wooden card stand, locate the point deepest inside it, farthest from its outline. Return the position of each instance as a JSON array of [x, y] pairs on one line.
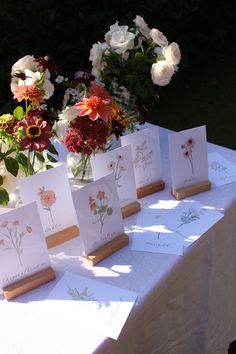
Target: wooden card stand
[[62, 236], [130, 209], [24, 285], [182, 193], [107, 249], [150, 189]]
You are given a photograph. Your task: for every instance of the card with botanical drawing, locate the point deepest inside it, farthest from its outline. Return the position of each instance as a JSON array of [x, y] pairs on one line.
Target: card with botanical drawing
[[118, 161], [188, 157], [191, 219], [151, 234], [145, 149], [221, 171], [90, 304], [99, 214], [23, 250], [51, 190]]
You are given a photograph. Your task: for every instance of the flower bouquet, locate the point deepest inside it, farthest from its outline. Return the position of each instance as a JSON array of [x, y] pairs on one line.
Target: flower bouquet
[[25, 135], [132, 61], [88, 122]]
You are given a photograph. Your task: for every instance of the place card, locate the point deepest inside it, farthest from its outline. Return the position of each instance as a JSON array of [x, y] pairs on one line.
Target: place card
[[188, 161], [51, 190], [151, 234], [191, 219], [100, 220], [145, 147], [119, 161], [23, 250], [90, 304], [221, 171]]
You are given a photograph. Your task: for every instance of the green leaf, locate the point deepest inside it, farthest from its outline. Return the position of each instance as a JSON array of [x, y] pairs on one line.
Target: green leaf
[[24, 165], [11, 165], [52, 150], [109, 211], [40, 157], [51, 158], [48, 167], [1, 180], [4, 197], [18, 112]]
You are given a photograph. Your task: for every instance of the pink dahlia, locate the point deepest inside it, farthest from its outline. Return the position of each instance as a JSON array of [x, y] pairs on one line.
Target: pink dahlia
[[36, 134], [29, 92]]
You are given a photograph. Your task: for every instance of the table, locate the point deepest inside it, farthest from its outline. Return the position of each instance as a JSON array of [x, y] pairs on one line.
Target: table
[[185, 305]]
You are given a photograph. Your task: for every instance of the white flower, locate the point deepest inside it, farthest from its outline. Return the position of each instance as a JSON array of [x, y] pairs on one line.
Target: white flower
[[9, 181], [69, 114], [96, 54], [122, 40], [172, 53], [27, 62], [59, 79], [114, 28], [48, 89], [142, 26], [161, 72], [60, 128], [158, 37]]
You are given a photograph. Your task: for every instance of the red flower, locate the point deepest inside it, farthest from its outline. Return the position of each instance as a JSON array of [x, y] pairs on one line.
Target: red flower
[[37, 133], [97, 105], [47, 63], [100, 195]]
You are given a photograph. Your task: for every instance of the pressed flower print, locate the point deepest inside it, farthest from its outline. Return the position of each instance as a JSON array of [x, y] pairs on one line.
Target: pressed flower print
[[187, 148], [100, 208], [143, 156], [117, 168], [47, 199]]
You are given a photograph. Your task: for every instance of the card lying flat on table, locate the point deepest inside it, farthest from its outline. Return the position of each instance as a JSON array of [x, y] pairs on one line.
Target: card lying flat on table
[[221, 171], [90, 304], [23, 249]]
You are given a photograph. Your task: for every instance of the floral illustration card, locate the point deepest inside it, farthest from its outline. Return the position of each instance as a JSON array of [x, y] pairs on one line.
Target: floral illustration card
[[23, 249], [99, 214], [119, 161], [145, 147], [151, 234], [51, 190], [191, 219], [86, 302], [221, 171], [188, 157]]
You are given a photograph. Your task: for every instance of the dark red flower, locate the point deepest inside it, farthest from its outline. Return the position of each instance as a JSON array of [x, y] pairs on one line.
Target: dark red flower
[[83, 77], [47, 63]]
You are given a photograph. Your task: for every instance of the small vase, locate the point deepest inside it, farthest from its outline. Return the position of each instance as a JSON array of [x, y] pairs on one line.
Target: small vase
[[80, 167]]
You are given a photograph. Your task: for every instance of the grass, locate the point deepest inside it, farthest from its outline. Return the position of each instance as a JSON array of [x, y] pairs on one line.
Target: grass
[[202, 95]]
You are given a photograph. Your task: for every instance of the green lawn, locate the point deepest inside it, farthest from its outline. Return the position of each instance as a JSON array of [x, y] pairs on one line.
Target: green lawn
[[205, 94]]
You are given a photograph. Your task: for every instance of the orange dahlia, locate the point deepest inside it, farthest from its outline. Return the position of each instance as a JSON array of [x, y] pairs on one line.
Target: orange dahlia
[[29, 92]]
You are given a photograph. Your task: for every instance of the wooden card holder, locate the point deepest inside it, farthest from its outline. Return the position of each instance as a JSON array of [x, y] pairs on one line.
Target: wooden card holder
[[182, 193], [62, 236], [107, 249], [24, 285], [130, 209], [150, 189]]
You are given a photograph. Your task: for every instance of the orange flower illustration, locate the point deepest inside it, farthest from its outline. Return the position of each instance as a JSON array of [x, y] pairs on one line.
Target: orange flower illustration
[[47, 199], [100, 209]]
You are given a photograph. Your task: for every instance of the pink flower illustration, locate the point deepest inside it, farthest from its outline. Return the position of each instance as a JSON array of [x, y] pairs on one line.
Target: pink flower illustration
[[47, 199], [188, 151]]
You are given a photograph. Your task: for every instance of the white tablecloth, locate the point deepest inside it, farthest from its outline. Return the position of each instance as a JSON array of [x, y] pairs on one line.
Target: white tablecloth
[[186, 304]]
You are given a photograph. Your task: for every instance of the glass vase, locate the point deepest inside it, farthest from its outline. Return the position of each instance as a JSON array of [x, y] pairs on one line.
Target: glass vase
[[81, 170]]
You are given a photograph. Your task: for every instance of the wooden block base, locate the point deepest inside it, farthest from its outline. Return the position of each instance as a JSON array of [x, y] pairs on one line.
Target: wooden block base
[[182, 193], [107, 249], [33, 281], [62, 236], [130, 209], [150, 189]]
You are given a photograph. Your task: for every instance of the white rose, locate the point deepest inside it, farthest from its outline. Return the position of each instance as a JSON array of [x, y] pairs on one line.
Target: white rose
[[114, 28], [69, 114], [27, 62], [172, 53], [96, 54], [121, 41], [158, 37], [142, 26], [161, 72]]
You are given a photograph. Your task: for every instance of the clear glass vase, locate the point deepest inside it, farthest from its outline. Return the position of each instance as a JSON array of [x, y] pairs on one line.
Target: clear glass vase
[[80, 167]]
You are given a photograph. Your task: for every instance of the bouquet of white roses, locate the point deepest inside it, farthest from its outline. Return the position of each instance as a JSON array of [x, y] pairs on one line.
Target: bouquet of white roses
[[133, 60]]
